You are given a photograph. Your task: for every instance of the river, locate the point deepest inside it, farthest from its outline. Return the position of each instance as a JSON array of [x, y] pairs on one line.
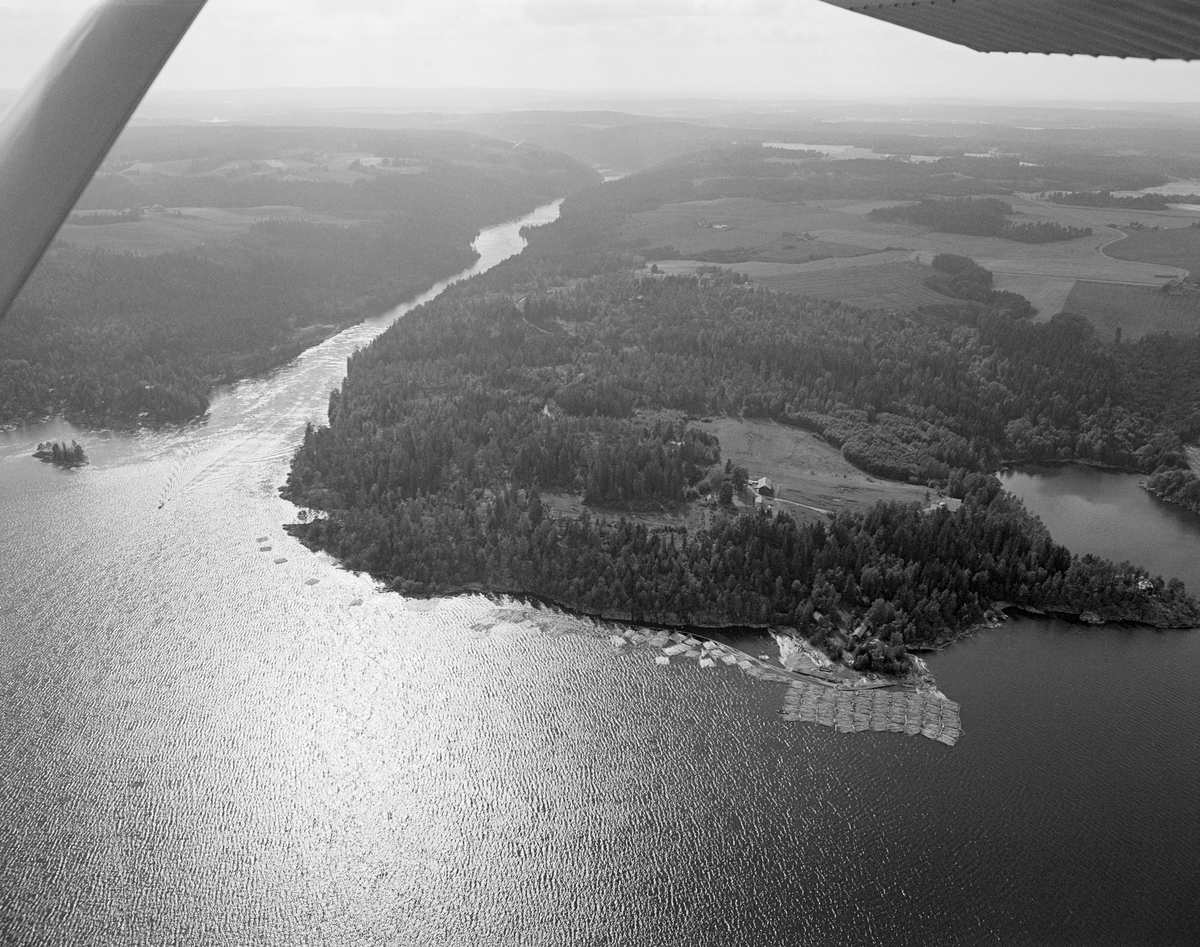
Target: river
[[202, 745]]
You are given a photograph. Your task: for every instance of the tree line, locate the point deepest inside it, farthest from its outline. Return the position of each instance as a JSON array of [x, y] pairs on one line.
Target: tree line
[[960, 277], [982, 217], [1108, 199]]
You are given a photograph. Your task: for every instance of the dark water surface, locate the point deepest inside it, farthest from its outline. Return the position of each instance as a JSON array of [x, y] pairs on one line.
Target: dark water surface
[[197, 746]]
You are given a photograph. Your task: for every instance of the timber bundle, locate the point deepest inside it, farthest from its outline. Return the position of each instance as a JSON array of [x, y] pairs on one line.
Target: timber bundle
[[923, 713]]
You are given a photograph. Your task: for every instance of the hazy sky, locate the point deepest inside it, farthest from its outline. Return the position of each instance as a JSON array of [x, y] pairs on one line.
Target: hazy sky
[[734, 48]]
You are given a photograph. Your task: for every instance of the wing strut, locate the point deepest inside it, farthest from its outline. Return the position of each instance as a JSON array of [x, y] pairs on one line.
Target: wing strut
[[60, 129]]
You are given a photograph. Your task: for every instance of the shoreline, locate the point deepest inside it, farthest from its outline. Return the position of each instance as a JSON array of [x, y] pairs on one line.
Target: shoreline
[[1170, 501], [729, 635], [723, 631], [1012, 465], [97, 423]]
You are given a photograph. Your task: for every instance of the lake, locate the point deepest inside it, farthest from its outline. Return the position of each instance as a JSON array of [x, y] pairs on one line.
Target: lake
[[201, 744]]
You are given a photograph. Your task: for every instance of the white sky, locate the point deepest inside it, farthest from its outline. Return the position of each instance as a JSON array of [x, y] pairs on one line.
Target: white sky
[[773, 49]]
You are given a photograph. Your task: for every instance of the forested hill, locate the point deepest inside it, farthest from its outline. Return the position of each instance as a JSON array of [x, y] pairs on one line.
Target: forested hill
[[570, 370], [449, 426], [135, 319]]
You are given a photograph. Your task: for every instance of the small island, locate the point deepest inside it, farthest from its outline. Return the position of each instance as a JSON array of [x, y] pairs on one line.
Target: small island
[[62, 455]]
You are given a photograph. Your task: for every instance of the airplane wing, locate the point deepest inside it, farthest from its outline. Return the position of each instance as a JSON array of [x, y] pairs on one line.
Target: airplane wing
[[59, 131], [1141, 29]]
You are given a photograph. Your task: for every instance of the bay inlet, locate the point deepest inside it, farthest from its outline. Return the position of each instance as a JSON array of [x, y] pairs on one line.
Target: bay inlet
[[197, 745]]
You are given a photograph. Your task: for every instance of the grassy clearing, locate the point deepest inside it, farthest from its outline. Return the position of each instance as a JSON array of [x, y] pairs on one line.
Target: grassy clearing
[[1047, 293], [810, 476], [895, 285], [1164, 249], [1097, 217], [1069, 259], [1136, 310], [163, 232], [776, 231], [291, 165]]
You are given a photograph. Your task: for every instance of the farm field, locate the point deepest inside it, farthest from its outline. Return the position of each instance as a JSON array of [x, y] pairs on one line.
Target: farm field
[[777, 231], [895, 285], [164, 232], [1047, 293], [1043, 273], [1068, 259], [810, 476], [1097, 217], [1136, 310], [1162, 248], [290, 165]]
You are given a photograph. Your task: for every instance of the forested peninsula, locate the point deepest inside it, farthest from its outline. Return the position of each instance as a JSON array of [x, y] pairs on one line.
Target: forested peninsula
[[1181, 487], [199, 256], [447, 429], [572, 371]]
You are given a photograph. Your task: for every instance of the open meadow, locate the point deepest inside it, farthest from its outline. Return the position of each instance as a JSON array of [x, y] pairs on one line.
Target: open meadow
[[182, 228], [744, 229], [1165, 249], [811, 477], [1135, 310], [882, 281], [873, 264]]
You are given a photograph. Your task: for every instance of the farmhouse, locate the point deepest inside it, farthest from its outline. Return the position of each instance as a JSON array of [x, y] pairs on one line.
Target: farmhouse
[[763, 487]]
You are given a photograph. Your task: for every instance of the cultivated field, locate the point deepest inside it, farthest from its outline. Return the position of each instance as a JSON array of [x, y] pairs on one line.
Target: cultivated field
[[792, 233], [164, 232], [1096, 217], [1043, 273], [1164, 249], [811, 477], [1136, 310], [342, 167], [895, 285]]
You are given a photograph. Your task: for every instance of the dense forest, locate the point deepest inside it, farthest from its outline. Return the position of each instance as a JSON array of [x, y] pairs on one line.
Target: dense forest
[[113, 339], [1181, 487], [909, 396], [449, 425], [565, 370], [982, 217], [1108, 199], [865, 587], [62, 455], [116, 339], [960, 277]]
